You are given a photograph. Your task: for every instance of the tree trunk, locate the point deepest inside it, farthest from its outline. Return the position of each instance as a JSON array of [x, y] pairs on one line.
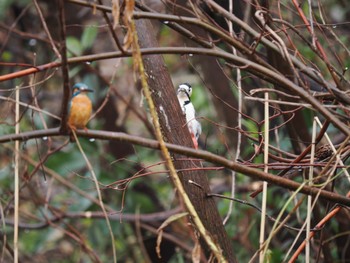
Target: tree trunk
[[211, 71], [175, 131]]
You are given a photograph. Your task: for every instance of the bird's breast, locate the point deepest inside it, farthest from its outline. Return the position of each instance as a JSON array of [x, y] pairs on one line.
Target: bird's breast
[[190, 112], [80, 111]]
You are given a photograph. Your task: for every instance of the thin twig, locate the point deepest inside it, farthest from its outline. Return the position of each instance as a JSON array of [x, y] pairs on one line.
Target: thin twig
[[328, 217], [16, 182], [46, 29], [309, 199], [319, 47], [263, 250], [244, 202], [205, 155], [91, 169], [172, 171], [26, 105], [111, 29], [239, 120], [252, 67]]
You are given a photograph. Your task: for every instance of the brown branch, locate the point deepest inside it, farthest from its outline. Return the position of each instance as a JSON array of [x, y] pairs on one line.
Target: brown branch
[[327, 218], [167, 120], [225, 36], [201, 154], [66, 89], [12, 28], [22, 34], [110, 27], [250, 66], [46, 29], [249, 30], [113, 215], [271, 218], [319, 47], [299, 158]]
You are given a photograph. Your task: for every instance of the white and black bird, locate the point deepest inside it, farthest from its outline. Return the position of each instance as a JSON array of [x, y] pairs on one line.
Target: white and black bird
[[184, 93]]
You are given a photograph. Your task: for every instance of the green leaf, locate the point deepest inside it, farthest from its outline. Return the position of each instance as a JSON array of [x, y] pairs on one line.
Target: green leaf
[[251, 127], [6, 55], [74, 47], [89, 36]]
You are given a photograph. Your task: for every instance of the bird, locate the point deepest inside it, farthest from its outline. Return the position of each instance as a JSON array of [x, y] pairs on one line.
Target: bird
[[184, 93], [80, 107]]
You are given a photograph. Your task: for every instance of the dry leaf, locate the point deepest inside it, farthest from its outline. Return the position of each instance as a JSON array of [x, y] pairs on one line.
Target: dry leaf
[[129, 9], [164, 225], [196, 252], [159, 241], [128, 40], [127, 18], [94, 8], [115, 12]]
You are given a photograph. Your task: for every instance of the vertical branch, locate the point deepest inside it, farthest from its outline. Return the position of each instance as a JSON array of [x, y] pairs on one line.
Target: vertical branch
[[266, 170], [239, 120], [66, 90], [338, 157], [309, 198], [16, 190], [46, 29], [111, 29], [216, 250], [175, 131], [318, 46], [4, 237], [321, 224], [99, 195], [312, 31]]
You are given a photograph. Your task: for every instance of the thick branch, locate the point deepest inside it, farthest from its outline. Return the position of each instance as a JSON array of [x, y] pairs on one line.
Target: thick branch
[[201, 154], [66, 90], [247, 65]]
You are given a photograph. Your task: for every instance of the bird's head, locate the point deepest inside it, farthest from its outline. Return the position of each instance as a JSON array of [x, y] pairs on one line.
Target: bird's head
[[184, 89], [79, 88]]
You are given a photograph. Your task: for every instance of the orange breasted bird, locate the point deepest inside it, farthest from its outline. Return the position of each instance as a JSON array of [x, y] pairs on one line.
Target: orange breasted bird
[[80, 107]]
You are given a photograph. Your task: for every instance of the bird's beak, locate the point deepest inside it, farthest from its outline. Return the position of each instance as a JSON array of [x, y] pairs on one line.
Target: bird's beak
[[87, 90]]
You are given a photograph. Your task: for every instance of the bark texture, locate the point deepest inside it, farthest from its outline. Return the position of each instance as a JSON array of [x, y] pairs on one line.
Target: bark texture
[[175, 131]]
